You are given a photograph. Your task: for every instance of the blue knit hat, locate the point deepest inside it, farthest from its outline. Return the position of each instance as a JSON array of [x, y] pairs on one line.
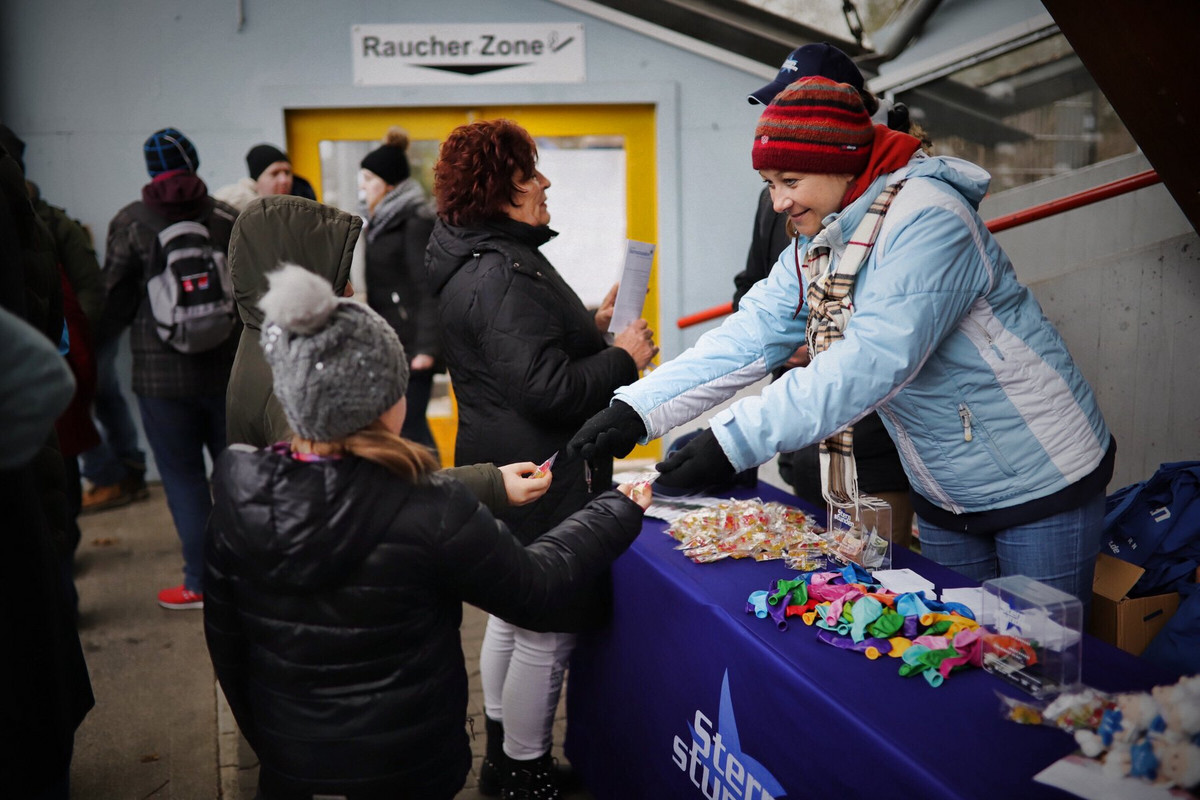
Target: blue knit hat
[[168, 150]]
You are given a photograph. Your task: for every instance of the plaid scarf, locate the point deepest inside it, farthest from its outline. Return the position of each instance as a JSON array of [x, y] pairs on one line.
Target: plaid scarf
[[829, 309]]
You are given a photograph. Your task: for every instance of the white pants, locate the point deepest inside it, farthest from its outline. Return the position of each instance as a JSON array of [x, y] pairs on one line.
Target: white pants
[[522, 676]]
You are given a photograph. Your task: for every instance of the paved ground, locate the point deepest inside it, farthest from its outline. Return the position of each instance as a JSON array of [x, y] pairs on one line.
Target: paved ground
[[160, 728]]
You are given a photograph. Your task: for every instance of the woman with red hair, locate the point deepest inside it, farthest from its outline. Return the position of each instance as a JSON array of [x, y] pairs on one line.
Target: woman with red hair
[[529, 363]]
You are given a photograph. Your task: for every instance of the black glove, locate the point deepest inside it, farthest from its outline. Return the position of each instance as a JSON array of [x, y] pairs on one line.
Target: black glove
[[699, 464], [612, 432]]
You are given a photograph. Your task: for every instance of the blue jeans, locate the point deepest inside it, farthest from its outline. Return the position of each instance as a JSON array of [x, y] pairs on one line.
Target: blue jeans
[[108, 462], [1059, 550], [179, 430]]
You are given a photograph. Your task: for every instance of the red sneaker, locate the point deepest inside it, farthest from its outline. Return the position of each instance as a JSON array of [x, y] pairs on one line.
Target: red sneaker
[[178, 598]]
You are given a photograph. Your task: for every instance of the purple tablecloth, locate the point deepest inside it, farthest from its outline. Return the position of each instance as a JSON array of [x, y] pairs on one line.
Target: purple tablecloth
[[687, 696]]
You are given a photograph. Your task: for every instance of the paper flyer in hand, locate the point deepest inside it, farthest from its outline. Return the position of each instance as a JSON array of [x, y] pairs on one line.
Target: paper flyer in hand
[[635, 280]]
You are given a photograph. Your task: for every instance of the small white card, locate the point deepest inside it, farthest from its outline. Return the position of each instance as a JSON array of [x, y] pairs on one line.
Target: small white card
[[1085, 777], [635, 279], [903, 580], [969, 596]]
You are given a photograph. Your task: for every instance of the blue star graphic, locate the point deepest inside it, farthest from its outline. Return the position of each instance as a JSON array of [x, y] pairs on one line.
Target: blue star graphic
[[727, 728]]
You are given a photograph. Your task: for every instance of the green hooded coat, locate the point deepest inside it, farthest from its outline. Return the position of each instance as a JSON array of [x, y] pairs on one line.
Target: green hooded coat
[[270, 231]]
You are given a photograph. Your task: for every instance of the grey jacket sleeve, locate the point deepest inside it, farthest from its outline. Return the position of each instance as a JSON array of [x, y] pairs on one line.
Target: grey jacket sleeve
[[35, 388]]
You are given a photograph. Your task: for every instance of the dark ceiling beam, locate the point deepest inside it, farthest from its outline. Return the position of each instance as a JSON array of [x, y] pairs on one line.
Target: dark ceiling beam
[[896, 35], [947, 109], [736, 27], [1146, 62], [1042, 85]]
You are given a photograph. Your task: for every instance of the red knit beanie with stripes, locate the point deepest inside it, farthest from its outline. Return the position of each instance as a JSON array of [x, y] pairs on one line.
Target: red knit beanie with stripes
[[814, 126]]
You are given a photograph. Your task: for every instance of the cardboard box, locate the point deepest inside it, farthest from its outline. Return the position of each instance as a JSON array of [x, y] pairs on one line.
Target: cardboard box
[[1127, 622]]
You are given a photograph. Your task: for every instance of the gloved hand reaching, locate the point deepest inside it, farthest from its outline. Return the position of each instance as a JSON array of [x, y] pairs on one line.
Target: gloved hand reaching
[[698, 464], [612, 432]]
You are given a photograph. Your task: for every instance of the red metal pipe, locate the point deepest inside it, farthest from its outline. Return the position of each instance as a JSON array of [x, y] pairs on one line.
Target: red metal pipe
[[1031, 214], [1073, 201], [705, 315]]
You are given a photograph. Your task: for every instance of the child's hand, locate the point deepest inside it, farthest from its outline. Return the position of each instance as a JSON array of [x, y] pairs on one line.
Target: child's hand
[[520, 484], [640, 493]]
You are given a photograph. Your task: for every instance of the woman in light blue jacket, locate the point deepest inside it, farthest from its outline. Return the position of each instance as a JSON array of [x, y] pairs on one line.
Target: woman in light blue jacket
[[919, 316]]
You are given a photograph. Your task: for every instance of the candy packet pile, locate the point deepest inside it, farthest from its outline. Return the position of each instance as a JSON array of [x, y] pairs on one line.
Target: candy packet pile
[[750, 529]]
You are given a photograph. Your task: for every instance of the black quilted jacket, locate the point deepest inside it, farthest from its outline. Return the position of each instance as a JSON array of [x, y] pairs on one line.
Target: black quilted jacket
[[333, 599], [395, 269], [528, 367], [526, 360]]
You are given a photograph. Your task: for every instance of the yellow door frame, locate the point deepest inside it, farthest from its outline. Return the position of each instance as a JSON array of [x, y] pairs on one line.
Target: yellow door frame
[[307, 128]]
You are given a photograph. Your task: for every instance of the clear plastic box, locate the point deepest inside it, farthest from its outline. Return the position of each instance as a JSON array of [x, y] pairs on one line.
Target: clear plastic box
[[862, 534], [1034, 635]]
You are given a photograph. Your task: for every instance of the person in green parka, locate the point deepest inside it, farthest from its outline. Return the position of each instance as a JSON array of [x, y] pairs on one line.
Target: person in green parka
[[286, 229]]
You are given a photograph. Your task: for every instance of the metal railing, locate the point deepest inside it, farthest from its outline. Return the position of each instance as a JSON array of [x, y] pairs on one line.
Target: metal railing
[[1032, 214]]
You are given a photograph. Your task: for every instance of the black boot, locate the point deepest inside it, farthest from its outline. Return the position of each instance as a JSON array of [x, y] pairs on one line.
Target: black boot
[[532, 780], [495, 764]]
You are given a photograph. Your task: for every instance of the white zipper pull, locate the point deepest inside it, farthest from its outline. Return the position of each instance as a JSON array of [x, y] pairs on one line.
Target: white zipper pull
[[964, 414]]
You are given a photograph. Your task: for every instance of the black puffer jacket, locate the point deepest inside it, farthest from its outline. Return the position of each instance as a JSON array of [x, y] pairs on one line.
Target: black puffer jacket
[[528, 366], [397, 286], [527, 362], [45, 691], [333, 600]]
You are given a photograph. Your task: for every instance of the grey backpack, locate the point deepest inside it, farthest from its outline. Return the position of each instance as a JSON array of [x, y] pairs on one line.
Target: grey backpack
[[191, 294]]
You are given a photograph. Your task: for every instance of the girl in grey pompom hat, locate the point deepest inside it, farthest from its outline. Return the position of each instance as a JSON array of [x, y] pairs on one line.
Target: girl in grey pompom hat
[[337, 364], [337, 566]]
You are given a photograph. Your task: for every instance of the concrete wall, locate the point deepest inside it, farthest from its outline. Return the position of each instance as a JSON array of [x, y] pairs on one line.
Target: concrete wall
[[1121, 281], [85, 83]]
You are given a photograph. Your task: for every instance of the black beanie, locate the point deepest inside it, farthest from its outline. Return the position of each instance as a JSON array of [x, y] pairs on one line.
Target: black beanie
[[389, 163], [262, 156]]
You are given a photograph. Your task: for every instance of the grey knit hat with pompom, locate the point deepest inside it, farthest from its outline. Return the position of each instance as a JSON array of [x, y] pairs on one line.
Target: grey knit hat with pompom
[[337, 364]]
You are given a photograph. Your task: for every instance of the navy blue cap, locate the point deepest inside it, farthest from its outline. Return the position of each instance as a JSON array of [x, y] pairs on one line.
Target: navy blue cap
[[807, 61]]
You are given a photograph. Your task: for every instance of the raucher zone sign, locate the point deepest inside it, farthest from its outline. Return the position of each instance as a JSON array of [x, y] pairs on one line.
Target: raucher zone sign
[[389, 55]]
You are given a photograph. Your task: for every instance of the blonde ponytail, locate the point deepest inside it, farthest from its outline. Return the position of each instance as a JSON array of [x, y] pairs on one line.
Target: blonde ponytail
[[377, 444]]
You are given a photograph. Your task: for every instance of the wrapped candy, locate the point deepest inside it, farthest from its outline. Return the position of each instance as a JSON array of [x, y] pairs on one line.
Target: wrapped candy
[[748, 529], [1147, 735], [1178, 763]]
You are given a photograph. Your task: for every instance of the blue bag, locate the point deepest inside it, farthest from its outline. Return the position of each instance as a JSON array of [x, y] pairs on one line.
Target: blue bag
[[1177, 646], [1155, 524]]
